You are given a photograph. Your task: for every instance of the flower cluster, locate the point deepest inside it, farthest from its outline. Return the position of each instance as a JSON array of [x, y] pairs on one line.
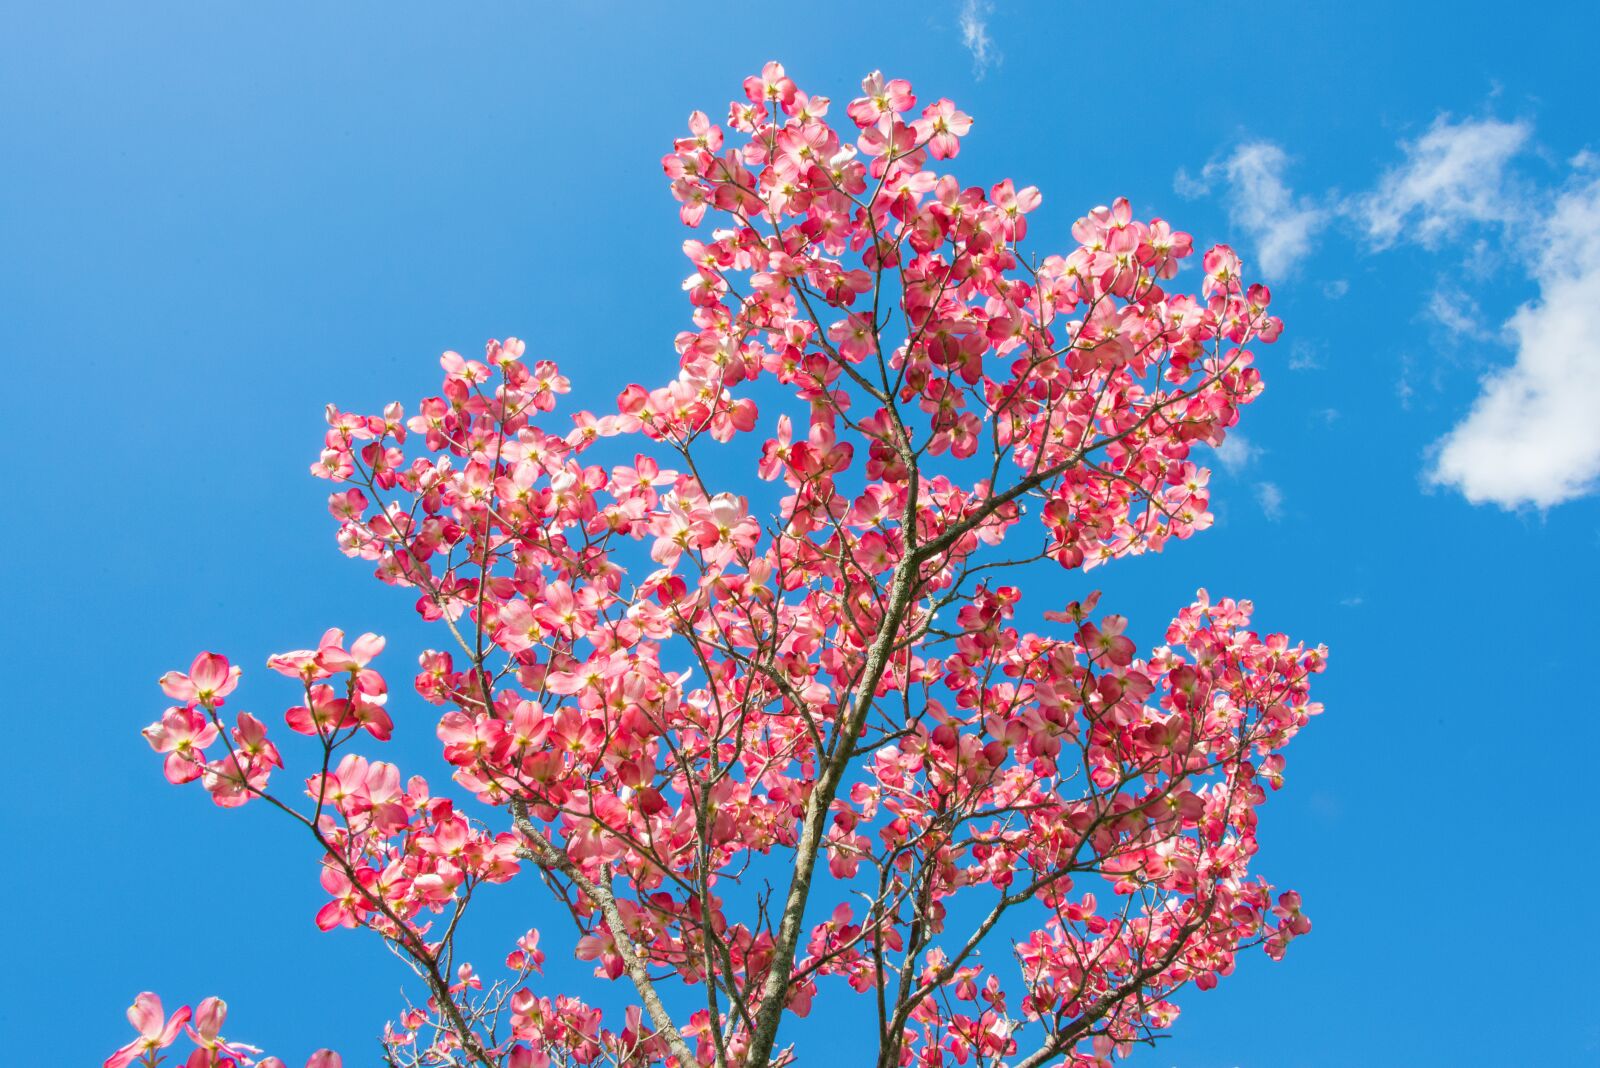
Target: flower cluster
[[202, 1026]]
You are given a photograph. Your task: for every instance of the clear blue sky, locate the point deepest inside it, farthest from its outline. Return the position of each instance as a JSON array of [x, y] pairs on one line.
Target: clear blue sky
[[217, 217]]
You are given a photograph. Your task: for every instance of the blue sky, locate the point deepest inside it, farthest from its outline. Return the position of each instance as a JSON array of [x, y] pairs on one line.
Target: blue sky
[[217, 217]]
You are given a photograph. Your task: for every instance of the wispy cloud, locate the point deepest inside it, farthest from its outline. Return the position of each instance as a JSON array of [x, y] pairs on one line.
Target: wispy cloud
[[1403, 389], [1281, 225], [1452, 175], [1236, 453], [1270, 497], [1305, 356], [975, 36], [1456, 311], [1533, 436], [1188, 186]]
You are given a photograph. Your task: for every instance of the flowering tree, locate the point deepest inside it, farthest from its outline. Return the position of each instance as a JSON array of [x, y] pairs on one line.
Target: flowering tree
[[763, 755]]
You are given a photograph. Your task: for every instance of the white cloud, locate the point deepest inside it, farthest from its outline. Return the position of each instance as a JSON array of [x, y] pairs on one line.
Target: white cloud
[[1403, 389], [1188, 186], [1264, 207], [1236, 453], [1456, 311], [1533, 435], [1336, 289], [1270, 497], [1305, 356], [1453, 174], [975, 35]]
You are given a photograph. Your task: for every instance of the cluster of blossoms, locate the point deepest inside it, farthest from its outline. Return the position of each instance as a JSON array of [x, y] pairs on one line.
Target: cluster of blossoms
[[202, 1026], [658, 695]]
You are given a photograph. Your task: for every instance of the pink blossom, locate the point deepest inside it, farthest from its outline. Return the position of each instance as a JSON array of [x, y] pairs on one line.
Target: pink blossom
[[209, 679], [156, 1030]]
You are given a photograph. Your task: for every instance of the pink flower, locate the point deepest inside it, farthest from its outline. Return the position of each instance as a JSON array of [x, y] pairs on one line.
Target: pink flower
[[234, 779], [942, 127], [206, 1033], [1107, 641], [770, 86], [327, 713], [527, 954], [183, 734], [880, 98], [156, 1030], [333, 658], [209, 679], [1015, 204], [348, 905]]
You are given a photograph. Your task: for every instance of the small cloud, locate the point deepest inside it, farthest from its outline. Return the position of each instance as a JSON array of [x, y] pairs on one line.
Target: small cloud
[[1352, 602], [1455, 311], [1453, 174], [1264, 207], [1336, 289], [1329, 415], [1532, 436], [1270, 497], [1403, 389], [975, 36], [1305, 356], [1236, 453], [1482, 264], [1188, 186]]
